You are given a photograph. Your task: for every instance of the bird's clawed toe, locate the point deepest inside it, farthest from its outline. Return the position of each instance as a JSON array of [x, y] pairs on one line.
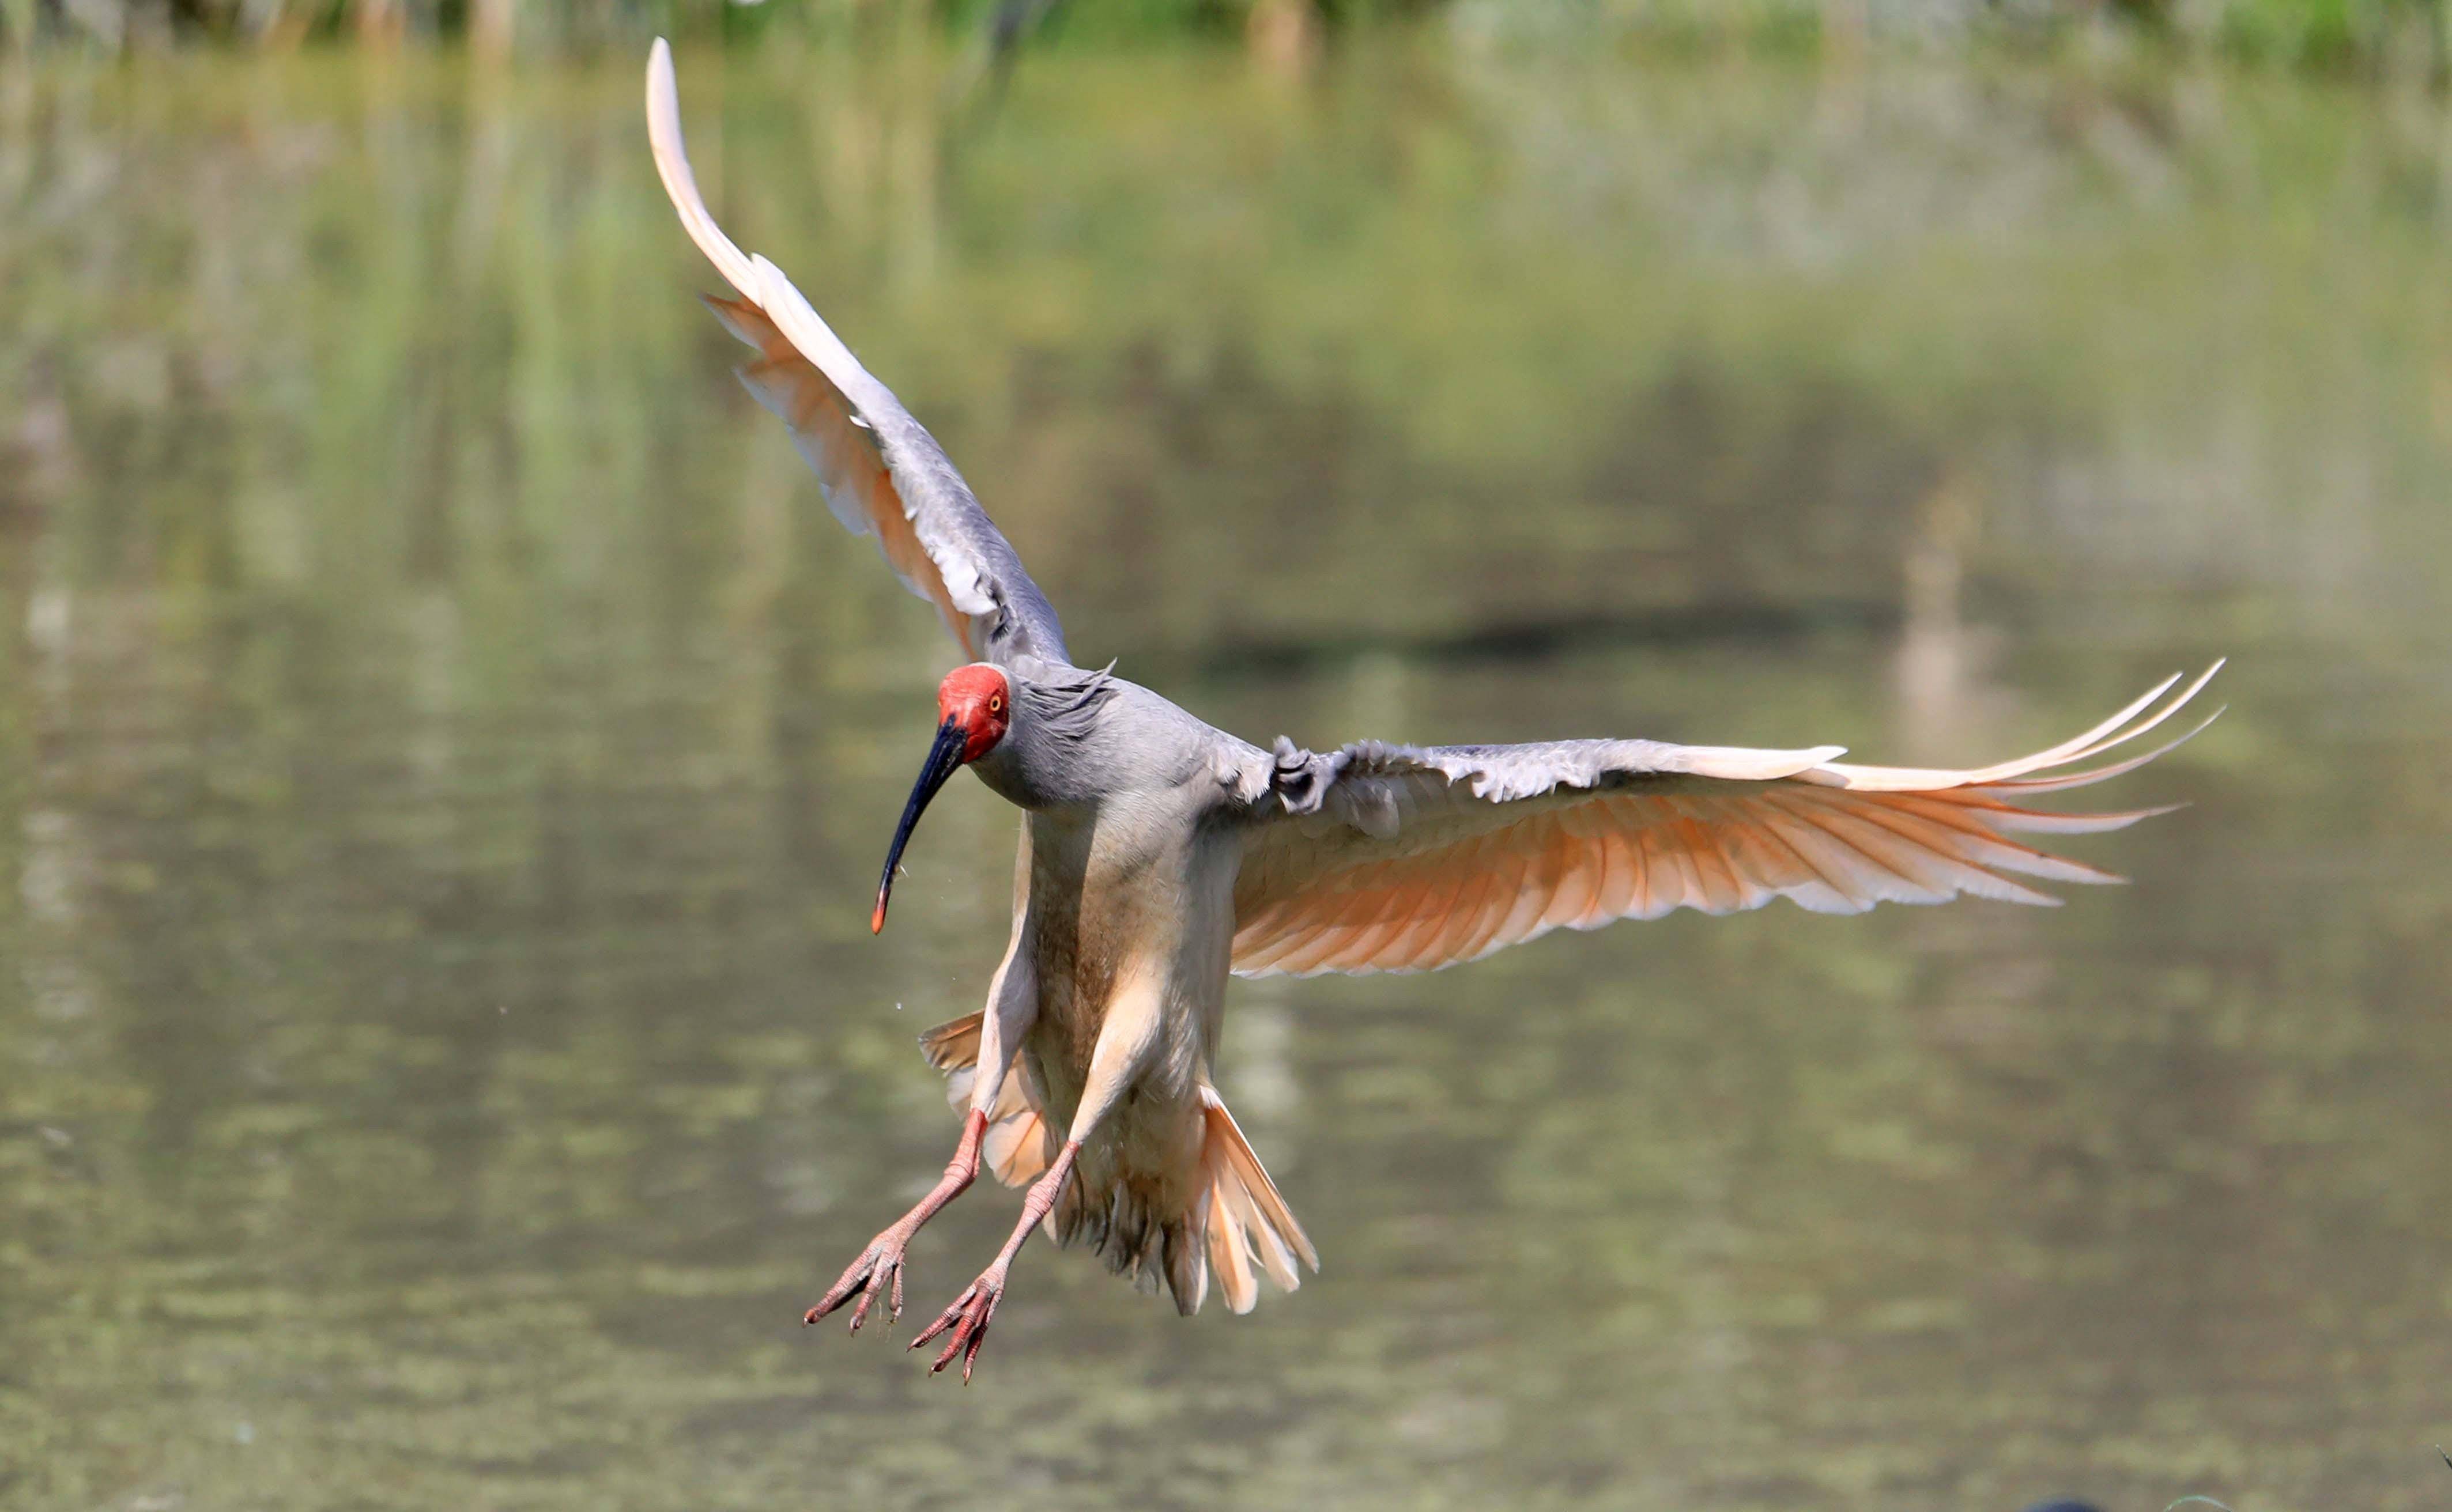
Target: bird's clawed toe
[[877, 1273], [968, 1318]]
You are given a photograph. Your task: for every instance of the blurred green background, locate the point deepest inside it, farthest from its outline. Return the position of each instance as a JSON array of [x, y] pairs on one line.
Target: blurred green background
[[446, 745], [2368, 37]]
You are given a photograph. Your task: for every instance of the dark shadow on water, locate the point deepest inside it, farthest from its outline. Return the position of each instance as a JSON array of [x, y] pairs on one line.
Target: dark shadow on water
[[1758, 627]]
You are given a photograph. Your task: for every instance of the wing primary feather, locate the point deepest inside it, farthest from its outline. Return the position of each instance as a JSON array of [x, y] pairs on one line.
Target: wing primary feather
[[1324, 938], [1497, 904], [1755, 861], [1961, 874], [1872, 779], [1991, 848], [1572, 894], [2078, 779], [1831, 896], [1615, 886], [1912, 866], [2037, 822], [1533, 889], [1417, 857], [2155, 720], [1663, 880], [1432, 917], [1466, 936], [848, 424], [672, 165], [1869, 881], [1413, 913], [1723, 890], [1734, 841]]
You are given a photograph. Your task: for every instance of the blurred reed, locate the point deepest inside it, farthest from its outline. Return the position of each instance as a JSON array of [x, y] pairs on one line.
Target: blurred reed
[[313, 323], [2372, 37]]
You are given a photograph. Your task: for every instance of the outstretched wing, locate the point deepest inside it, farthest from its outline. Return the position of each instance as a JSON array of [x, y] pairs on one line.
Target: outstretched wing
[[883, 474], [1407, 858]]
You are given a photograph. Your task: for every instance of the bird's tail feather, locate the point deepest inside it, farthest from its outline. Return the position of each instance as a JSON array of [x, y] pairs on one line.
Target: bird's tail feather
[[1245, 1217], [1016, 1148], [1237, 1227], [1232, 1224]]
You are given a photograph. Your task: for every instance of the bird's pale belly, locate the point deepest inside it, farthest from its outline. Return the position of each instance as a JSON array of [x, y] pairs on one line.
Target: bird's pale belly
[[1139, 1164], [1121, 947], [1086, 986]]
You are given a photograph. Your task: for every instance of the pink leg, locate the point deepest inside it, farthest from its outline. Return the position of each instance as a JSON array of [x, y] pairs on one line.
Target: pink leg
[[971, 1312], [880, 1267]]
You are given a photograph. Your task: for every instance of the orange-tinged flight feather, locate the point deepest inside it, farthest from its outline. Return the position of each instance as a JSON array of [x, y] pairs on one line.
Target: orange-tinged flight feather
[[1491, 846], [883, 475]]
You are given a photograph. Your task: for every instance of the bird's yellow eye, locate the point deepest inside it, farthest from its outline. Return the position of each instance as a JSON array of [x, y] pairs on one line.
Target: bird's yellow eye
[[995, 703]]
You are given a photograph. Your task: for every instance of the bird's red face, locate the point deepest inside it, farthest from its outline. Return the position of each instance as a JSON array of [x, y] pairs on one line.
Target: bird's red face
[[974, 709], [977, 701]]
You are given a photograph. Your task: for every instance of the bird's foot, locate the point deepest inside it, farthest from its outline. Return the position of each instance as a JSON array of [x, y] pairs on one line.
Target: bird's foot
[[878, 1273], [968, 1318]]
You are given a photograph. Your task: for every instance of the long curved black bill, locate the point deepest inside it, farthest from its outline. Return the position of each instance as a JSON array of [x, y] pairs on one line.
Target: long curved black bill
[[945, 759]]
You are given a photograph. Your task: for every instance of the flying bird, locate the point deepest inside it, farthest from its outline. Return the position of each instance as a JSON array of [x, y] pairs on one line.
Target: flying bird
[[1161, 855]]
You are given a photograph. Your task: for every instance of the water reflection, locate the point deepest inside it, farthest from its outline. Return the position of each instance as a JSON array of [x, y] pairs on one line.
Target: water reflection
[[443, 744]]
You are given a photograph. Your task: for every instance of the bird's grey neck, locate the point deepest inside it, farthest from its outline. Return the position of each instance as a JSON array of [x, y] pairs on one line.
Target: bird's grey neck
[[1058, 750]]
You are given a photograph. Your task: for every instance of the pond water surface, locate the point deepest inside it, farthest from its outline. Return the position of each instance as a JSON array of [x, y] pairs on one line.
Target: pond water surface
[[446, 748]]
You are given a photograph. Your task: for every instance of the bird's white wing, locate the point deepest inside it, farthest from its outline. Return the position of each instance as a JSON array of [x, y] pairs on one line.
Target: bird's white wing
[[883, 473], [1403, 858]]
